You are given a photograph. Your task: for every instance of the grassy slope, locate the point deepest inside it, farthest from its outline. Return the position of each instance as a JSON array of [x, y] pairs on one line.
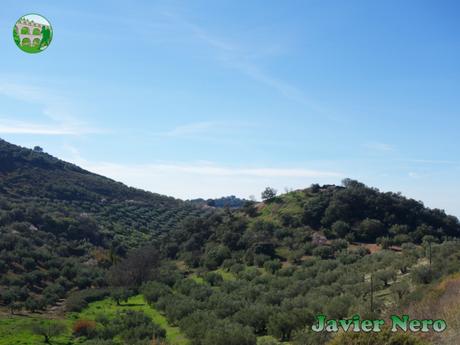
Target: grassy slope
[[441, 301], [16, 330], [109, 308], [290, 203]]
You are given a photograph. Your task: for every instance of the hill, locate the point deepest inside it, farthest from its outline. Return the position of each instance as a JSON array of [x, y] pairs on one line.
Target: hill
[[265, 270], [296, 223], [123, 266], [226, 201], [359, 213], [58, 221], [32, 175]]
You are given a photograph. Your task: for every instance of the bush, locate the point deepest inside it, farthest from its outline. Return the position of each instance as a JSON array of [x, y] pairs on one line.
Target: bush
[[213, 278], [324, 252], [34, 304], [422, 275], [260, 259], [152, 291], [79, 300], [75, 304], [84, 328], [228, 333], [137, 325], [272, 266]]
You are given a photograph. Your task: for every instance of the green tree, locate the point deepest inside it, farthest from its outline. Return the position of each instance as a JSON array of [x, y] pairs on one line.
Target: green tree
[[341, 228], [272, 266], [268, 194], [34, 304], [48, 330], [281, 325], [370, 229], [152, 291], [386, 276], [422, 275], [255, 316], [229, 333], [401, 289], [120, 294], [324, 252]]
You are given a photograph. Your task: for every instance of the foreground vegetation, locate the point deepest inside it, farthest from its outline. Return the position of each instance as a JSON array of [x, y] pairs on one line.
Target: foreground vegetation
[[86, 260]]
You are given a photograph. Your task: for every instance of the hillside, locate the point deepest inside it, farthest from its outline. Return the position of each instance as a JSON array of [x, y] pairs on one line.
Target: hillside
[[117, 265], [297, 223], [58, 221], [33, 176], [264, 271]]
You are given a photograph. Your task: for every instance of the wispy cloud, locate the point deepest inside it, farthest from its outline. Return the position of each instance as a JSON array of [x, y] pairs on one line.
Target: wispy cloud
[[209, 169], [205, 179], [233, 56], [432, 161], [378, 146], [57, 111], [414, 175], [16, 127], [190, 129], [205, 127]]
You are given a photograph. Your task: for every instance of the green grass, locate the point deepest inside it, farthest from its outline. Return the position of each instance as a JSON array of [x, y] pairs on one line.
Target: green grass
[[16, 330], [109, 308], [290, 204], [227, 276], [283, 252], [196, 278]]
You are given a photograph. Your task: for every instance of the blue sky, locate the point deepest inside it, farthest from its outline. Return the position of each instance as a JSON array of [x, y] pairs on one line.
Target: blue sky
[[211, 98]]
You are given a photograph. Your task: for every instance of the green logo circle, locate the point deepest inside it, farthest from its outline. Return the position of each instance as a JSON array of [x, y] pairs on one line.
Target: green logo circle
[[32, 33]]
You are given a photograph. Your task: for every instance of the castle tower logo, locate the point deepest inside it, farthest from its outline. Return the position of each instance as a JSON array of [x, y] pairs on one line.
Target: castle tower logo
[[32, 33]]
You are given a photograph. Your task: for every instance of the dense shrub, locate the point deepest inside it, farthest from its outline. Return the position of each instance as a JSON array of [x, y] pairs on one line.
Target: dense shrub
[[84, 328], [77, 301]]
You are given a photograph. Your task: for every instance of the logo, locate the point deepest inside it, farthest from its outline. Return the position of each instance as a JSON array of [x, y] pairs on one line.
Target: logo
[[32, 33]]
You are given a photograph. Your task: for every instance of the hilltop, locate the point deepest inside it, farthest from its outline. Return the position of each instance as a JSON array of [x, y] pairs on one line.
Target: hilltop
[[298, 223]]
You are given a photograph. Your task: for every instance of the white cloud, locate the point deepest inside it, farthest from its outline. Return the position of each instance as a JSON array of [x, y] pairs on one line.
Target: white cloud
[[235, 57], [29, 128], [282, 87], [207, 180], [56, 109], [17, 127], [432, 161], [414, 174], [208, 169], [190, 129], [205, 127], [377, 146]]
